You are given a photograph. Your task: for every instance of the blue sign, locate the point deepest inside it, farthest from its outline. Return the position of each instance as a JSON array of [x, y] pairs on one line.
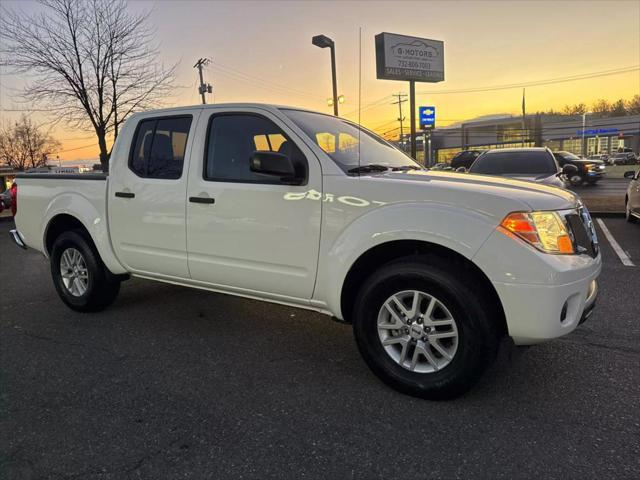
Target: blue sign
[[597, 131], [427, 117]]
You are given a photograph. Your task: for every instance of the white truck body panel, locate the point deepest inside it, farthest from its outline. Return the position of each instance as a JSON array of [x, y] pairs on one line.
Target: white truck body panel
[[296, 244]]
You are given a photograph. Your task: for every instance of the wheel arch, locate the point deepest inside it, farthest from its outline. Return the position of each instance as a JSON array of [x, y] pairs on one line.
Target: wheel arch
[[64, 221], [376, 257]]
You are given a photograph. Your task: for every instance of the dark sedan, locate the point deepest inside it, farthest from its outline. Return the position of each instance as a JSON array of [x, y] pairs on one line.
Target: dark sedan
[[589, 171], [533, 164]]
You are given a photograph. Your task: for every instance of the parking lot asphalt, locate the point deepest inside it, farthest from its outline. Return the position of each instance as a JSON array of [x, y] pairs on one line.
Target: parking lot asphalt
[[606, 187], [177, 383]]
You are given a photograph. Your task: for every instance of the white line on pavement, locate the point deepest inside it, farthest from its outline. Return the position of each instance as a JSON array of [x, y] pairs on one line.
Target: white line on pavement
[[622, 255]]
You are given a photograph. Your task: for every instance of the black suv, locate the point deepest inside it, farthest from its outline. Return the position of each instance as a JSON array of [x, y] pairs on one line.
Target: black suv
[[465, 158], [589, 171]]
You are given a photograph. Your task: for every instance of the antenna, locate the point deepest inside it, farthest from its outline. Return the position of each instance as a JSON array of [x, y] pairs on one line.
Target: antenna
[[359, 91], [204, 87]]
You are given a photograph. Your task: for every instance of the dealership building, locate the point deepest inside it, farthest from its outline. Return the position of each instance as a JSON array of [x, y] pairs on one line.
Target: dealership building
[[582, 135]]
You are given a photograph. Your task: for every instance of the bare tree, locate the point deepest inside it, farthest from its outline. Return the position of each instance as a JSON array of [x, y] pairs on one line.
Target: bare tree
[[25, 145], [94, 63], [601, 107], [633, 105], [577, 109]]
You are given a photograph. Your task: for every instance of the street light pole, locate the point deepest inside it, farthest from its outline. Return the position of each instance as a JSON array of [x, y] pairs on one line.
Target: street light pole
[[322, 41], [583, 150]]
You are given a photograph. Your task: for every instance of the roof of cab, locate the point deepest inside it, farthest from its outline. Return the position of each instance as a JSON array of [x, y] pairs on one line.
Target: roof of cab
[[266, 106]]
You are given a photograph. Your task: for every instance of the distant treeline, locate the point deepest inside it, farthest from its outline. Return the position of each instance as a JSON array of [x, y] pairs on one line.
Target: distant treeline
[[602, 108]]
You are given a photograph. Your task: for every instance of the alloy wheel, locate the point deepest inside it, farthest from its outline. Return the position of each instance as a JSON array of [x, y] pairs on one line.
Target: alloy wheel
[[74, 272], [417, 331]]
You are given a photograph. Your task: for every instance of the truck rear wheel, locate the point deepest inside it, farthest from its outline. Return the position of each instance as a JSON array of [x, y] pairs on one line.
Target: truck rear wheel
[[423, 330], [79, 276]]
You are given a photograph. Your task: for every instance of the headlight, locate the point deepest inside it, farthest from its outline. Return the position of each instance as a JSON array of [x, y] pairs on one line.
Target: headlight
[[545, 231]]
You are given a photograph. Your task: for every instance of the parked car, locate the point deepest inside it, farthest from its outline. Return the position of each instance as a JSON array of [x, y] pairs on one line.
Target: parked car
[[599, 156], [588, 171], [441, 166], [431, 268], [5, 198], [8, 198], [623, 158], [465, 159], [632, 198], [532, 164]]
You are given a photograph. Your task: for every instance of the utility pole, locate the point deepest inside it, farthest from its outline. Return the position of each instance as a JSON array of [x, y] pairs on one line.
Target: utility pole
[[401, 100], [204, 87]]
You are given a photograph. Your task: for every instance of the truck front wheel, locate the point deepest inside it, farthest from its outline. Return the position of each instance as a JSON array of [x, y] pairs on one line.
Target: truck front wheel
[[79, 276], [424, 328]]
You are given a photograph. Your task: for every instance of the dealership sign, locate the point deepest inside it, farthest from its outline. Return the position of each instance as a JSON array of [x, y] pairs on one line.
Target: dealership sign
[[597, 131], [427, 116], [400, 57]]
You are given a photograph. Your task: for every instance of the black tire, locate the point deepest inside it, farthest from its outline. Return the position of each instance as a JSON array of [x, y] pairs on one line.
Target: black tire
[[478, 330], [102, 288], [576, 180]]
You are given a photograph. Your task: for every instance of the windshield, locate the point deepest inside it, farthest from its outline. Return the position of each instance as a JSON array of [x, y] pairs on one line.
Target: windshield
[[522, 163], [352, 148]]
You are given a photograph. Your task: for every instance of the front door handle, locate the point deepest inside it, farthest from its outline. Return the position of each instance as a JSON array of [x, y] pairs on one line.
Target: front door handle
[[202, 200], [125, 194]]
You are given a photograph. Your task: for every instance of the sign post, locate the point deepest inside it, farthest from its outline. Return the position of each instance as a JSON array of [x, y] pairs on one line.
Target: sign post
[[412, 59], [427, 117]]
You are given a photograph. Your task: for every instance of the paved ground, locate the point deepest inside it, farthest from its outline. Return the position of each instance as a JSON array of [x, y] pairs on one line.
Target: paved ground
[[605, 187], [176, 383]]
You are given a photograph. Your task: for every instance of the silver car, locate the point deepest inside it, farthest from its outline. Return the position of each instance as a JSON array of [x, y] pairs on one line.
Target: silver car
[[632, 199]]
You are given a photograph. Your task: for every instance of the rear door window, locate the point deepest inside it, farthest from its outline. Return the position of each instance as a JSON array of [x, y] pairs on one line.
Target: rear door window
[[159, 147]]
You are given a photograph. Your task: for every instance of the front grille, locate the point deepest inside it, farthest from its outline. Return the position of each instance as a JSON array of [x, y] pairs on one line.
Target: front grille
[[584, 233]]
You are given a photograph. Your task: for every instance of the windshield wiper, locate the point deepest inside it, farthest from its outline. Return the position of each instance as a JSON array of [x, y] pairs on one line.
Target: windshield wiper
[[373, 167]]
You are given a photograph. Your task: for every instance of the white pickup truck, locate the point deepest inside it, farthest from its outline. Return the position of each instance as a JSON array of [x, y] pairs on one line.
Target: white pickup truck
[[309, 210]]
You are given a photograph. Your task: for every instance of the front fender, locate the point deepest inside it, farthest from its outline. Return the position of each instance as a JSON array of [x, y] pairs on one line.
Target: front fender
[[92, 218], [461, 230]]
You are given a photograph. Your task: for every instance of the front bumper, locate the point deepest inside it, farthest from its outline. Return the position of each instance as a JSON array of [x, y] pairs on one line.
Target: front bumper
[[543, 296], [593, 176], [537, 313]]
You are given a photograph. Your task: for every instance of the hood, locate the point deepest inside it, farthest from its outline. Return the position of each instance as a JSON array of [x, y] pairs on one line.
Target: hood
[[586, 160], [469, 188]]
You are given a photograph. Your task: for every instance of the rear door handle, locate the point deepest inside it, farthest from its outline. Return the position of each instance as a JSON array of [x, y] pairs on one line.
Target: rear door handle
[[202, 200], [125, 194]]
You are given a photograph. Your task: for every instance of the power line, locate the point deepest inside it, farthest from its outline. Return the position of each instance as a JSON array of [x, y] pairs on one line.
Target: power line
[[535, 83], [263, 80]]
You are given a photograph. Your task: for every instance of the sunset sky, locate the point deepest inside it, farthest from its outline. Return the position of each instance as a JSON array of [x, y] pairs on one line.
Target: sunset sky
[[262, 52]]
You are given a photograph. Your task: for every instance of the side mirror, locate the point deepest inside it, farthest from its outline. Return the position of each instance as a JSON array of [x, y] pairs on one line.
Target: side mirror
[[461, 170], [272, 163], [629, 174], [569, 170]]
